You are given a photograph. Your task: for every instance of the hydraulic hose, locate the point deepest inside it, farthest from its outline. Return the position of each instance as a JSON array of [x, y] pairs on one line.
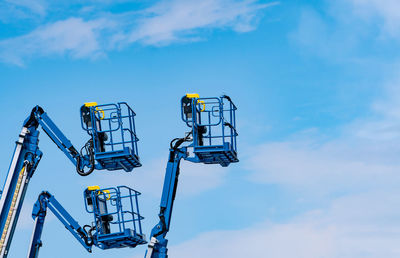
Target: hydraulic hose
[[89, 149]]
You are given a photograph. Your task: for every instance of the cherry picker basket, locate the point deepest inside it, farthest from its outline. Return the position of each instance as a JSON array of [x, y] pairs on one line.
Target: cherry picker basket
[[213, 124], [112, 127], [117, 221]]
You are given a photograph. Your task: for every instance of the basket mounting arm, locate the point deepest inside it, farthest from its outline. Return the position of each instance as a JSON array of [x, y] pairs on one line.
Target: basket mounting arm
[[47, 200], [39, 117]]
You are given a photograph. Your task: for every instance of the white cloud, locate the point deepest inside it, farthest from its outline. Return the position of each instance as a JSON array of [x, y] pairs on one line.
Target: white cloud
[[166, 22], [342, 29], [15, 10], [332, 166], [281, 241], [73, 36], [364, 155], [385, 125], [178, 20], [36, 6], [351, 227], [388, 11]]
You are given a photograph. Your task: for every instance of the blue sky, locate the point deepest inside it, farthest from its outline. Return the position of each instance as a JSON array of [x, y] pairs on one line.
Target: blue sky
[[316, 84]]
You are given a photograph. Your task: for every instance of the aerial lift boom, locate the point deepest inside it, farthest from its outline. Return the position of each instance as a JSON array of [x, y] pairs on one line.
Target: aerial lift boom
[[115, 224], [96, 154], [47, 200], [212, 140]]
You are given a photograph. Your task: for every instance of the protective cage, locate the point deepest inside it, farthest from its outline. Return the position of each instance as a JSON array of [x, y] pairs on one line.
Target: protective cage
[[213, 123], [117, 221], [112, 127]]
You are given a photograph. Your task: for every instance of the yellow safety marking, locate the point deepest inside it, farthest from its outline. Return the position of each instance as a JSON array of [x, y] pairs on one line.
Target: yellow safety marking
[[98, 110], [192, 95], [94, 187], [90, 104], [101, 111], [201, 102], [105, 192], [12, 208]]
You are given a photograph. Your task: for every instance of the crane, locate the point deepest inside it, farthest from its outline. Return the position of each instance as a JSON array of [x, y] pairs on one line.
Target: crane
[[112, 146], [211, 140]]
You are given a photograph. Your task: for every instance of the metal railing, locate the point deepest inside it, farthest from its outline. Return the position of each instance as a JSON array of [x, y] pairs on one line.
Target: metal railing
[[117, 122], [218, 117], [122, 204]]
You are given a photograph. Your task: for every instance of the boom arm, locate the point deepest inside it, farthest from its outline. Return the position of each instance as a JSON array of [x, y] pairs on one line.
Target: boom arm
[[39, 117], [203, 116], [47, 200], [25, 159], [157, 247]]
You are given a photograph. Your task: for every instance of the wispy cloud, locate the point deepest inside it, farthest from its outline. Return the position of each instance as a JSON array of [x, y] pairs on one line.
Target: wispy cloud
[[361, 165], [35, 6], [180, 19], [387, 11], [344, 28], [73, 36], [351, 227], [14, 10], [165, 22], [365, 155], [334, 167]]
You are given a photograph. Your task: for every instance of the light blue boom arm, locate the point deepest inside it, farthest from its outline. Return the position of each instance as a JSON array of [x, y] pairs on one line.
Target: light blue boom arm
[[47, 200]]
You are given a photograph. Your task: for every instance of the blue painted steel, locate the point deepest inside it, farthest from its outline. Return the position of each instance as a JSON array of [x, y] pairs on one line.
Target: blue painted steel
[[116, 215], [115, 122], [50, 128], [213, 128], [47, 200], [158, 242], [209, 147], [117, 221], [27, 155]]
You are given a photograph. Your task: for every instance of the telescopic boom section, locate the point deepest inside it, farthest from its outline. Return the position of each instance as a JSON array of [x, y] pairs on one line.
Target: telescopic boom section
[[47, 200], [23, 164], [157, 247], [38, 116], [24, 161]]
